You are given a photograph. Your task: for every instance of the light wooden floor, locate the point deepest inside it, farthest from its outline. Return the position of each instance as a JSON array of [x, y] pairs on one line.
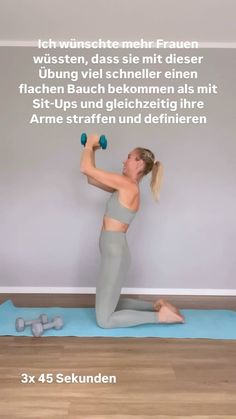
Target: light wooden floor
[[156, 378]]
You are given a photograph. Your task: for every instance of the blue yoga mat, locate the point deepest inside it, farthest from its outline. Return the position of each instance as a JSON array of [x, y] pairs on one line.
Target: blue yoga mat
[[202, 324]]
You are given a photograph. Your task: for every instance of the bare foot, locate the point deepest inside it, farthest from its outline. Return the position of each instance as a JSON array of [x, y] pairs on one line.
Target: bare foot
[[166, 315], [162, 302]]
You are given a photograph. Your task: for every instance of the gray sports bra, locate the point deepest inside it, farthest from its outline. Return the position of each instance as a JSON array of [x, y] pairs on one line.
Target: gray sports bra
[[117, 211]]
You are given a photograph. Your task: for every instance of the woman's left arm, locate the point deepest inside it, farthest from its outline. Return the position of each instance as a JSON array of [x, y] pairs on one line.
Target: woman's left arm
[[87, 158]]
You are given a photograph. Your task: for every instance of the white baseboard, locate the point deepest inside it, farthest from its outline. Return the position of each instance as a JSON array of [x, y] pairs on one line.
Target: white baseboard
[[135, 291]]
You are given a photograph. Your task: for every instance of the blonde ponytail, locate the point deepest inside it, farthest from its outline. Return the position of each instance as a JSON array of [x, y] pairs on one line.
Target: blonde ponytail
[[156, 179], [153, 166]]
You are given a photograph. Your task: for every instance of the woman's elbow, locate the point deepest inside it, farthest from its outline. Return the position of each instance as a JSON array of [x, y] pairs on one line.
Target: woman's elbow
[[83, 170]]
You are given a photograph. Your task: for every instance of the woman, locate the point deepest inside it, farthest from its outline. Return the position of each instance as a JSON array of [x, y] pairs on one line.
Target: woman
[[123, 204]]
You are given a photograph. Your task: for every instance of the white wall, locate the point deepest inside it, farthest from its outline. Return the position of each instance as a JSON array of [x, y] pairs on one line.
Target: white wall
[[51, 218]]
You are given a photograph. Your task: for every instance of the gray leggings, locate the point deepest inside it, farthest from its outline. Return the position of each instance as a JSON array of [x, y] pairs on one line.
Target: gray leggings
[[111, 311]]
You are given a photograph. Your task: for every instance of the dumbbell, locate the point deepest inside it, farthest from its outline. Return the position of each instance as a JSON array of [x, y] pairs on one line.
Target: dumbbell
[[38, 328], [102, 140], [21, 323]]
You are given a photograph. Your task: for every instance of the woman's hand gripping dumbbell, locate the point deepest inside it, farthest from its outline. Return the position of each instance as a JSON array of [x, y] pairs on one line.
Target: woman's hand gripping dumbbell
[[102, 140], [21, 323], [38, 328]]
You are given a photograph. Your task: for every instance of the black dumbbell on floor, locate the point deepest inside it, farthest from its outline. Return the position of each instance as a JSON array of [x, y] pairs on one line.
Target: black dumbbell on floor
[[38, 328], [21, 323], [102, 140]]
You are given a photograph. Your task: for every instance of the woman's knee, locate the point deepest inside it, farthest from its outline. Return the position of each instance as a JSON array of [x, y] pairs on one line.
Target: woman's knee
[[102, 321]]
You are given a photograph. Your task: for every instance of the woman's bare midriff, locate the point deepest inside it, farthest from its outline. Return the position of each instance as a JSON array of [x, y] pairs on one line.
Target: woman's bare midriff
[[109, 224]]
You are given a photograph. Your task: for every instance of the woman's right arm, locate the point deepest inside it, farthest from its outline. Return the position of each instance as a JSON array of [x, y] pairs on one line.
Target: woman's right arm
[[108, 181], [94, 182], [100, 185]]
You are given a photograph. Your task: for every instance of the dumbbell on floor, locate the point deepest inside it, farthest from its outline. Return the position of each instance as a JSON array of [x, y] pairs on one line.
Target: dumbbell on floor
[[102, 140], [21, 323], [38, 328]]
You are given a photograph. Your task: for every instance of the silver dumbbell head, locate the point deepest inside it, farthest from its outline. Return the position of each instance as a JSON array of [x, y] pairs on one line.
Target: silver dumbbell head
[[20, 324], [43, 318], [37, 329]]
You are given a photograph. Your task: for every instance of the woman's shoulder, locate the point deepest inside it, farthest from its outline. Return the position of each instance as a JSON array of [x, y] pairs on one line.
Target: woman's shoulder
[[130, 188], [130, 196]]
